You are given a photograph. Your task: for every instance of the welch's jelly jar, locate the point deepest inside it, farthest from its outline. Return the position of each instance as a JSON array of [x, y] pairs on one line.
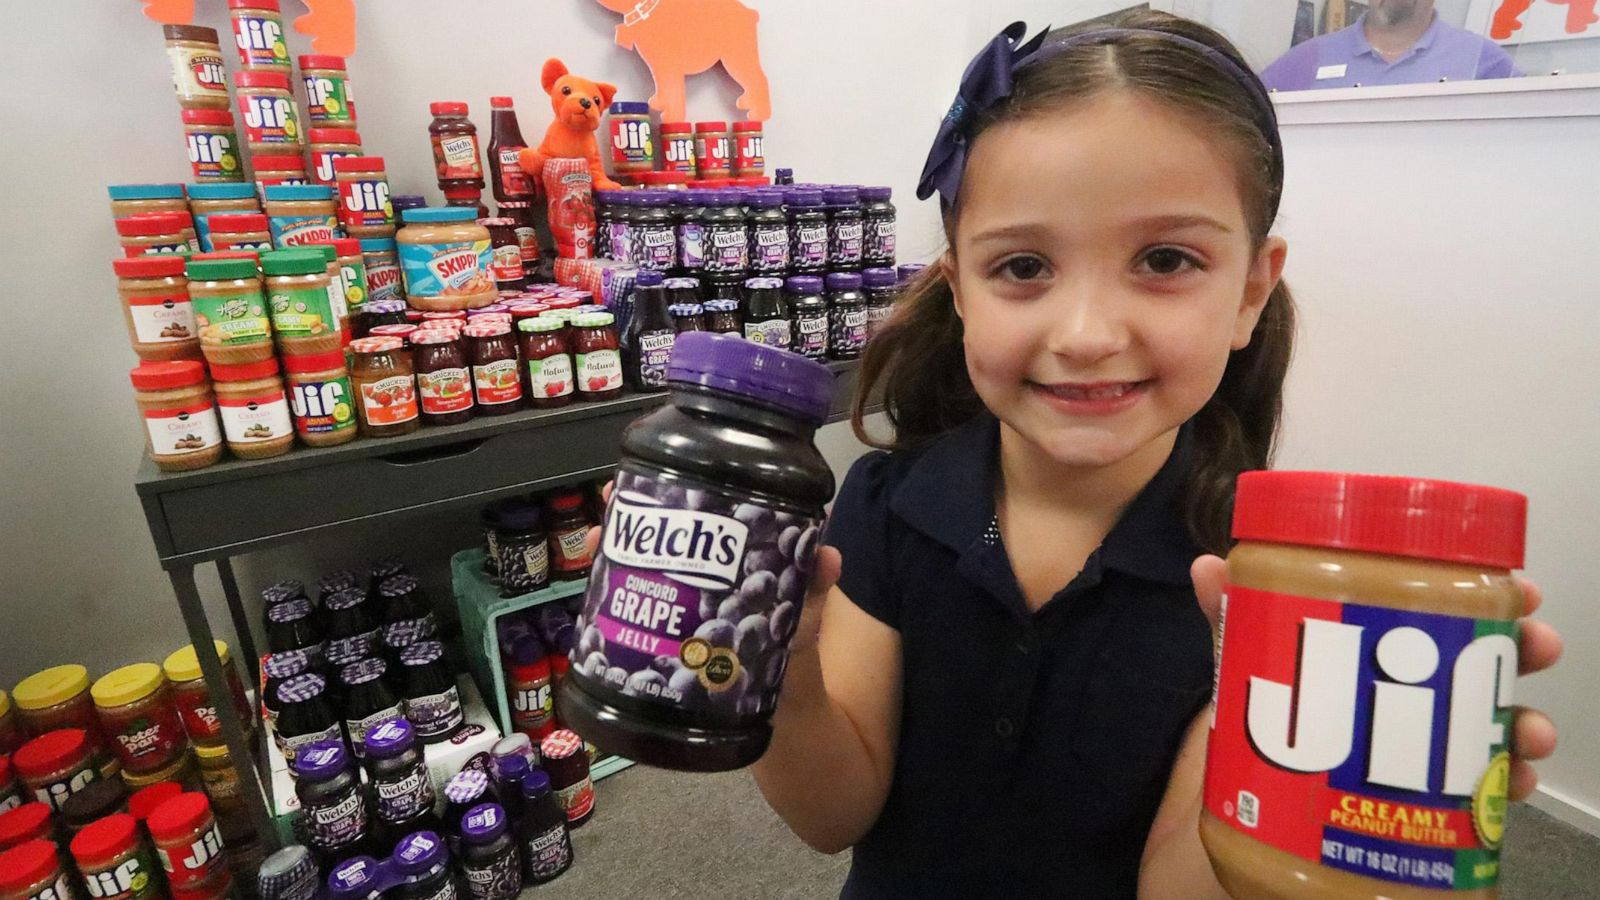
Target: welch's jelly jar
[[708, 543]]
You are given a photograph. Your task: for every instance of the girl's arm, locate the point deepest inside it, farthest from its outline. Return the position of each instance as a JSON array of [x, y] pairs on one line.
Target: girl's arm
[[828, 770]]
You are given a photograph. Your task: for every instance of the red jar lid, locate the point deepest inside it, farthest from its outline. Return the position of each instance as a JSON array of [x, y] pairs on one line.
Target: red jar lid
[[160, 265], [320, 61], [1414, 517], [157, 376], [50, 751], [486, 329], [566, 502], [747, 126], [105, 839], [710, 126], [341, 246], [282, 163], [356, 163], [26, 865], [236, 222], [260, 79], [442, 315], [676, 128], [251, 255], [662, 179], [448, 108], [433, 336], [244, 371], [499, 102], [207, 117], [333, 136], [146, 224], [253, 4], [395, 330], [561, 744], [527, 310], [24, 823], [147, 800], [179, 816], [381, 344], [313, 362]]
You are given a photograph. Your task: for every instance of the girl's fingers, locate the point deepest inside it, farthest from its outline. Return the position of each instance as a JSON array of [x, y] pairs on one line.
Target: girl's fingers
[[1533, 734], [823, 577], [1540, 646], [1209, 574], [1523, 780], [592, 540], [1532, 597]]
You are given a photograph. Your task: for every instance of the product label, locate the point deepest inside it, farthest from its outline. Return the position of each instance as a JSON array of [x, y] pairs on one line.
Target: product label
[[548, 853], [878, 241], [389, 401], [598, 371], [231, 319], [60, 889], [694, 608], [269, 119], [571, 549], [252, 420], [337, 824], [513, 181], [532, 705], [524, 567], [576, 799], [844, 242], [360, 728], [223, 241], [456, 156], [147, 741], [197, 73], [750, 154], [654, 246], [1363, 738], [182, 429], [878, 314], [321, 407], [729, 249], [365, 203], [454, 269], [157, 249], [56, 792], [260, 41], [809, 247], [322, 165], [327, 103], [497, 382], [712, 152], [773, 333], [162, 320], [505, 262], [383, 281], [632, 144], [812, 336], [401, 798], [498, 879], [655, 349], [551, 376], [678, 154], [298, 231], [354, 279], [132, 878], [692, 245], [435, 714], [195, 862], [446, 891], [214, 156], [619, 240], [769, 248], [528, 240], [849, 331], [291, 746], [303, 311], [445, 390]]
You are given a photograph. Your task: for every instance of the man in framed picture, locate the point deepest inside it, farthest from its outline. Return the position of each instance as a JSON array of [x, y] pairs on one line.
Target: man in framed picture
[[1394, 42]]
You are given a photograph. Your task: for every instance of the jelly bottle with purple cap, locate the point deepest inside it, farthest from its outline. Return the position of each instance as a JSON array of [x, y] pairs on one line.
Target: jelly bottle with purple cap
[[808, 231], [847, 316], [337, 820], [357, 878], [543, 838], [402, 789], [422, 864], [880, 287], [844, 228], [508, 774], [491, 867], [810, 312], [682, 648], [650, 335], [878, 230]]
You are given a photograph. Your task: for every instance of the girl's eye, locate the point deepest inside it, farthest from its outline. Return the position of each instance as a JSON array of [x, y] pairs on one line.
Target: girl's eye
[[1022, 268], [1169, 261]]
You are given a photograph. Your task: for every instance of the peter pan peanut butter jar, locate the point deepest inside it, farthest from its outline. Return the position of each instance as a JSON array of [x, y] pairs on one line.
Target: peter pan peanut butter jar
[[1361, 736]]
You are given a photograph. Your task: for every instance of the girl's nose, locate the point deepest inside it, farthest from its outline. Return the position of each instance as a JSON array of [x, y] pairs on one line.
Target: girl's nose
[[1087, 324]]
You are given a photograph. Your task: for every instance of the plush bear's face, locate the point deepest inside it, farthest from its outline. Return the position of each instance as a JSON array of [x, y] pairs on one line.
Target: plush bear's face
[[578, 102]]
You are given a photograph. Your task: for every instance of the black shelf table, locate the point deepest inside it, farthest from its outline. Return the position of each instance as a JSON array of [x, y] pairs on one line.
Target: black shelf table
[[242, 506]]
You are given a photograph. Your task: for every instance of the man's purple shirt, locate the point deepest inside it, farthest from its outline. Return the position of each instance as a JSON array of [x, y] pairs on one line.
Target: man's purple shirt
[[1443, 52]]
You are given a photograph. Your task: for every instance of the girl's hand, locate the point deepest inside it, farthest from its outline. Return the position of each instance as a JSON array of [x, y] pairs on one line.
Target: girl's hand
[[1533, 734]]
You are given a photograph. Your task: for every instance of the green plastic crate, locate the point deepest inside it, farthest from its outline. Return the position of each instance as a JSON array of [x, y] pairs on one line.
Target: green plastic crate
[[480, 605]]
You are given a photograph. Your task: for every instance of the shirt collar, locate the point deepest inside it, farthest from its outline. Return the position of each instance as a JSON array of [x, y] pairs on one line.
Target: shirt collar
[[1361, 45], [949, 495]]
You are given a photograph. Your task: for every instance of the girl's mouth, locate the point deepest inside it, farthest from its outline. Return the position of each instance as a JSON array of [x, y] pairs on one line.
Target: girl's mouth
[[1099, 398]]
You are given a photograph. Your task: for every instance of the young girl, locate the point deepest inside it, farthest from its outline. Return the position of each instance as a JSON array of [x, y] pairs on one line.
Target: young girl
[[1007, 692]]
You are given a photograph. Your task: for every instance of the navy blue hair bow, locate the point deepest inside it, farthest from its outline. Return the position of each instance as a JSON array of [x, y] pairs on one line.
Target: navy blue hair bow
[[991, 77]]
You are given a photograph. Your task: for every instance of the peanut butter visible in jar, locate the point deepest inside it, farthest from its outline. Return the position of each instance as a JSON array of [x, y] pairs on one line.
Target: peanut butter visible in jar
[[253, 408], [155, 304], [1360, 744], [136, 199], [179, 414], [197, 73], [304, 319], [229, 308]]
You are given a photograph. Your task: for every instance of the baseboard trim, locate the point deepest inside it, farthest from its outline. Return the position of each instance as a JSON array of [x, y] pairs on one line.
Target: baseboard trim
[[1569, 810]]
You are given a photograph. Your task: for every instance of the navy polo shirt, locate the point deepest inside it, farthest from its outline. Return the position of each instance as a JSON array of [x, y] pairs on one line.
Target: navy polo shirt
[[1034, 746]]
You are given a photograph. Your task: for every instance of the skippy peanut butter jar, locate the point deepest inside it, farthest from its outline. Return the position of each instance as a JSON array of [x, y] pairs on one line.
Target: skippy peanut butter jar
[[1361, 735]]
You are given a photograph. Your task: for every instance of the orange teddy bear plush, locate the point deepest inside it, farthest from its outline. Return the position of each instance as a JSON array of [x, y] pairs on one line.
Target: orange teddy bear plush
[[578, 103]]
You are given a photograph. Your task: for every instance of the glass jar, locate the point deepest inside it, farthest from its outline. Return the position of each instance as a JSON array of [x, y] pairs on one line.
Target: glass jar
[[569, 531], [455, 147], [305, 716], [496, 382], [156, 307], [845, 230], [197, 73], [527, 235], [847, 316], [349, 628], [547, 362], [564, 760], [328, 100], [687, 317], [254, 411], [213, 145], [269, 112], [180, 416], [153, 233], [433, 704], [723, 317], [56, 765], [444, 382], [407, 615], [299, 214], [113, 855], [136, 712], [192, 697], [258, 33], [749, 150], [365, 210], [321, 398], [444, 259], [713, 157], [877, 227], [303, 319], [766, 314], [383, 270], [241, 231], [522, 551], [596, 361], [633, 150], [277, 668], [369, 701], [229, 309], [505, 254], [810, 313], [384, 380], [677, 148]]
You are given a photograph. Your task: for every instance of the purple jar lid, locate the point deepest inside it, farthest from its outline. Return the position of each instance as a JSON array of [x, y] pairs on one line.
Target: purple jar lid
[[398, 585], [353, 879], [345, 598], [518, 515], [763, 199], [777, 378], [648, 278], [321, 761], [804, 197], [422, 653], [784, 173], [384, 307], [390, 738], [684, 310], [720, 306], [526, 650], [466, 786], [289, 611], [878, 277], [333, 582], [630, 108], [407, 201], [609, 198], [301, 688], [286, 664], [535, 783], [843, 281], [907, 271], [763, 284], [485, 310], [876, 194], [417, 853], [511, 768], [651, 198], [483, 823], [724, 197], [362, 671], [841, 196], [803, 284]]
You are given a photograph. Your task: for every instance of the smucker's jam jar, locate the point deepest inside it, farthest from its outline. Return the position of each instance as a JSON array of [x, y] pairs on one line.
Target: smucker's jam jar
[[684, 643], [444, 381], [1361, 738], [496, 383]]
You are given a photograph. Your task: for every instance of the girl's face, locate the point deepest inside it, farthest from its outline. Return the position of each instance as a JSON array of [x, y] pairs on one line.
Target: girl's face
[[1103, 271]]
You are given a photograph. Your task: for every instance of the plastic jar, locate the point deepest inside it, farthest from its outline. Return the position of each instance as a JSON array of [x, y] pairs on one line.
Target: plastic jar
[[180, 417], [328, 99], [712, 154], [239, 231], [877, 227], [152, 233], [713, 711], [352, 266], [365, 210], [456, 160], [402, 789], [56, 765], [258, 33], [749, 150], [189, 844], [881, 287], [845, 229], [32, 821], [489, 861], [423, 863], [321, 398], [115, 861], [135, 199], [1363, 607], [444, 258], [633, 149], [206, 200], [193, 699], [56, 698], [156, 307], [213, 145], [727, 236], [847, 316], [383, 269], [229, 309], [444, 377], [300, 214], [329, 145], [32, 871], [810, 314], [269, 112], [769, 234], [492, 353], [136, 712], [652, 237], [543, 834], [279, 168], [596, 360], [677, 147], [10, 728], [254, 410], [98, 799], [303, 319], [548, 362], [197, 73], [382, 376]]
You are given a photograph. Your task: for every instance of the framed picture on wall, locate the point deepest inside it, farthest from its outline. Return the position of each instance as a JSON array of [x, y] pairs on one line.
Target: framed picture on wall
[[1305, 23]]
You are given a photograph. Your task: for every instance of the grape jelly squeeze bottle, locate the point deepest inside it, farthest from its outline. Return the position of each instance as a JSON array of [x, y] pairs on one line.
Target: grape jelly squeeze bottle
[[708, 543]]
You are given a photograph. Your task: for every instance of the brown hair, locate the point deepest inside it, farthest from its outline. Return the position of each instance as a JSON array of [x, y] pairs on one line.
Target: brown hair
[[918, 360]]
